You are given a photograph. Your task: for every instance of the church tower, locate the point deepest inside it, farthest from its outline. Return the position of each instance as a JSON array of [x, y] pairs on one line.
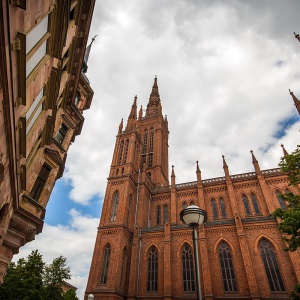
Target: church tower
[[143, 250]]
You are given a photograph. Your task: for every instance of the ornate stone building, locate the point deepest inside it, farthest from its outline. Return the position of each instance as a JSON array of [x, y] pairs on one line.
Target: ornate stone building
[[43, 93], [144, 251]]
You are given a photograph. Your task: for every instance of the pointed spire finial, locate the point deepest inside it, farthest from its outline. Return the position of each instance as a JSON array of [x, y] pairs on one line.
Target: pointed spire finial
[[296, 101], [198, 172], [121, 127], [141, 113], [255, 163], [86, 55], [173, 176], [297, 36], [225, 167], [224, 161], [285, 153]]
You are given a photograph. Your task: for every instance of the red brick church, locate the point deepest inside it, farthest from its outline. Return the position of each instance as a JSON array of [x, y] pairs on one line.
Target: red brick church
[[144, 251]]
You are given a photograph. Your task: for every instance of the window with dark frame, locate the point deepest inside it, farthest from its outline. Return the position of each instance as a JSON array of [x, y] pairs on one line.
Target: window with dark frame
[[105, 265], [126, 151], [145, 141], [152, 275], [121, 153], [165, 213], [222, 207], [184, 205], [228, 276], [158, 215], [150, 159], [188, 276], [271, 266], [151, 140], [114, 208], [280, 200], [40, 182], [255, 203], [61, 134], [214, 208], [246, 204]]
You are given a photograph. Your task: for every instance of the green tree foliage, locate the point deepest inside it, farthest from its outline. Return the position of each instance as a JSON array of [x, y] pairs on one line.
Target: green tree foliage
[[290, 217], [32, 279]]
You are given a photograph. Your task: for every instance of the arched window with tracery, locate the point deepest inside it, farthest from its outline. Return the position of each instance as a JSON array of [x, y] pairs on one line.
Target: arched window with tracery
[[152, 270], [222, 207], [165, 213], [145, 141], [184, 205], [105, 265], [214, 208], [158, 214], [255, 203], [125, 151], [228, 276], [271, 266], [151, 138], [121, 153], [246, 205], [192, 202], [114, 208], [280, 200], [188, 275], [123, 268]]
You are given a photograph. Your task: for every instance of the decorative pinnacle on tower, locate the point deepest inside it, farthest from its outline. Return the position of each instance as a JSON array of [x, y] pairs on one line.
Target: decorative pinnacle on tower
[[154, 104], [296, 101]]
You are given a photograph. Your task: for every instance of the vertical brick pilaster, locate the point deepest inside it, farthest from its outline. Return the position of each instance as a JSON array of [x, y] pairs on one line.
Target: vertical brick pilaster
[[266, 192]]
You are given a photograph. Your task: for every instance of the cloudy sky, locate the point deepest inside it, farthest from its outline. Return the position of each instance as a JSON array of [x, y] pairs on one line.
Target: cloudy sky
[[224, 69]]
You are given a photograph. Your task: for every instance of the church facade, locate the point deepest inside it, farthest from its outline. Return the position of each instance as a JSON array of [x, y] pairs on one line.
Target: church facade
[[143, 250]]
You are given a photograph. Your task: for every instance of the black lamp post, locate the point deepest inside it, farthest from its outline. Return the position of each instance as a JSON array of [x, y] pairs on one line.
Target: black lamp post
[[193, 216]]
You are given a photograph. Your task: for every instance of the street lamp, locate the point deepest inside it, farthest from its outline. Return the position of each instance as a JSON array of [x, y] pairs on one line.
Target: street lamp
[[193, 216], [90, 297]]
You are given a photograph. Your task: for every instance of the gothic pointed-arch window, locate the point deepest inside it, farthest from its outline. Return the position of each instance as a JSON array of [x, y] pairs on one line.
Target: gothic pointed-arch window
[[158, 215], [280, 200], [121, 153], [145, 141], [165, 213], [151, 138], [214, 208], [192, 203], [184, 205], [152, 270], [271, 266], [188, 275], [105, 265], [254, 203], [222, 207], [228, 276], [125, 151], [150, 160], [114, 208], [246, 205], [123, 268]]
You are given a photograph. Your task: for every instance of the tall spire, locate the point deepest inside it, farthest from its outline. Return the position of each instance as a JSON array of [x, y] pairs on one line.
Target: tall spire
[[121, 127], [297, 36], [296, 101], [86, 56], [173, 176], [225, 167], [255, 163], [154, 104], [132, 116], [141, 113], [198, 172], [285, 153]]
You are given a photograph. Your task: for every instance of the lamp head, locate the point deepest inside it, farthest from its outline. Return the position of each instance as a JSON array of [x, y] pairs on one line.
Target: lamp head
[[193, 216]]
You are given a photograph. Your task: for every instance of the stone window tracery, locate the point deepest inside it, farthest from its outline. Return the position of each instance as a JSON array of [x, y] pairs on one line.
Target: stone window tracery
[[214, 208], [165, 213], [188, 276], [158, 215], [246, 205], [228, 276], [114, 209], [152, 270], [121, 153], [105, 265], [222, 207], [271, 266], [255, 203], [126, 151]]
